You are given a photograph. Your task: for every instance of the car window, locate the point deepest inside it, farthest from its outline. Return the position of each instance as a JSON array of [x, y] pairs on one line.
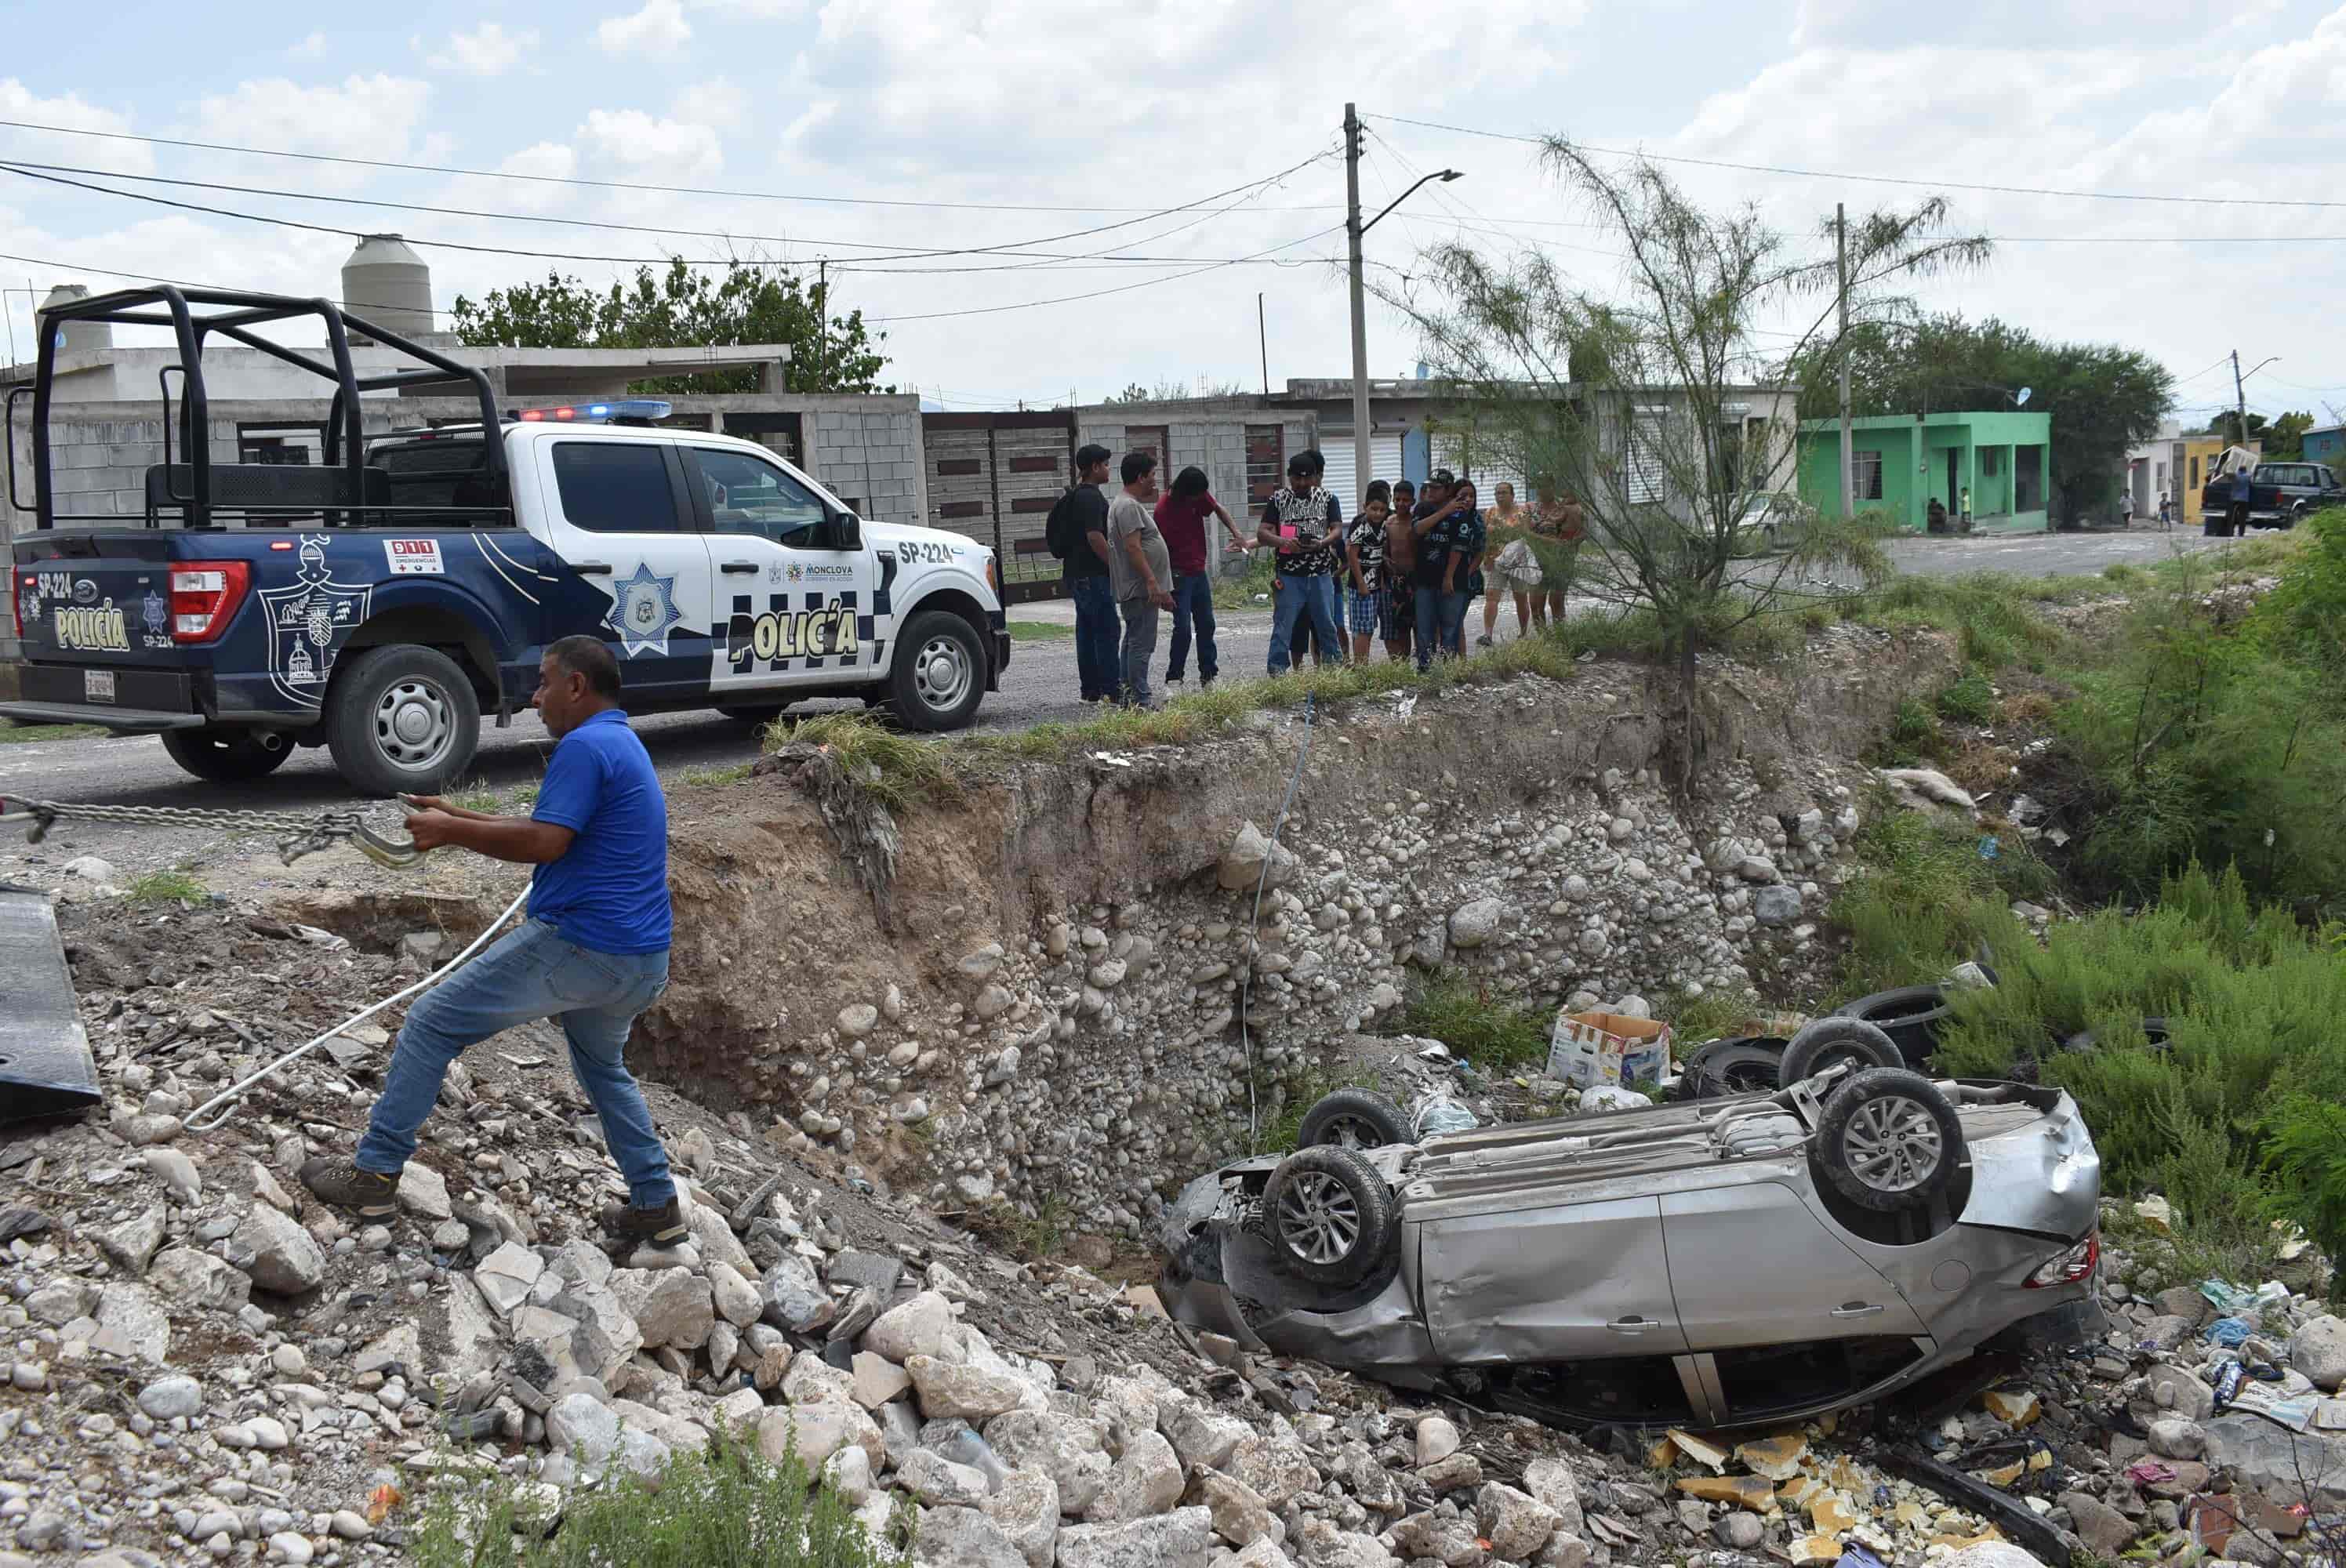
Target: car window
[[615, 487], [748, 496]]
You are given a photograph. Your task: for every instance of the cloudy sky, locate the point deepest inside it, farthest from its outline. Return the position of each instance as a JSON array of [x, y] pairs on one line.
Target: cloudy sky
[[964, 164]]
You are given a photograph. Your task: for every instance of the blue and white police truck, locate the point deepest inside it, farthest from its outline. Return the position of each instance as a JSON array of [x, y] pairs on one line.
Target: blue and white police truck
[[381, 602]]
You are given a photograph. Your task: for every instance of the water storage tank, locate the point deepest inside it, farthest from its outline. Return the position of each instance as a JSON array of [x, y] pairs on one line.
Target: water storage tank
[[77, 336], [388, 284]]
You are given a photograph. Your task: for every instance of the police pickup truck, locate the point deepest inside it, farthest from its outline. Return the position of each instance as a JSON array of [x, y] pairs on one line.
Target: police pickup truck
[[381, 603]]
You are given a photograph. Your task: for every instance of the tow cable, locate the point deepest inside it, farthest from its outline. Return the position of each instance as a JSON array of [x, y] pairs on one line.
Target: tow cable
[[299, 835]]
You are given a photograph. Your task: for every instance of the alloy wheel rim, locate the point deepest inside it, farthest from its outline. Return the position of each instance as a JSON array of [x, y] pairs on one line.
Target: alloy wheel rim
[[1319, 1218], [1893, 1144]]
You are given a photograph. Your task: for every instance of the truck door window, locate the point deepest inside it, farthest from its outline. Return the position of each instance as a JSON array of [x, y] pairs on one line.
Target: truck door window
[[749, 496], [615, 487]]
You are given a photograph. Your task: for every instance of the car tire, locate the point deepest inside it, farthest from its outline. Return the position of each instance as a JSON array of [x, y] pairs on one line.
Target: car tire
[[1887, 1141], [226, 756], [1330, 1217], [402, 719], [1829, 1042], [1744, 1064], [1354, 1119], [2154, 1030], [938, 676], [753, 713], [1910, 1015]]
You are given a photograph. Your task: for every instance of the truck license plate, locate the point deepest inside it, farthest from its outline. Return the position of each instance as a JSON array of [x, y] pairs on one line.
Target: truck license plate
[[98, 684]]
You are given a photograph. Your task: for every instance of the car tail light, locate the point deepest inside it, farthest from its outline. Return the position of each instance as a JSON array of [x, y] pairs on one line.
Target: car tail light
[[2069, 1268], [204, 597], [16, 606]]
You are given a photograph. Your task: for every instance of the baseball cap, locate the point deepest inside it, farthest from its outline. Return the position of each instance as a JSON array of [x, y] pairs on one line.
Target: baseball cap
[[1442, 477]]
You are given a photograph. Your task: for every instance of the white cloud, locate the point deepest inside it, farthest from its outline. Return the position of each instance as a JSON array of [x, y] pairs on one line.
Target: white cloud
[[312, 47], [549, 160], [366, 116], [715, 101], [19, 102], [635, 139], [486, 51], [656, 32]]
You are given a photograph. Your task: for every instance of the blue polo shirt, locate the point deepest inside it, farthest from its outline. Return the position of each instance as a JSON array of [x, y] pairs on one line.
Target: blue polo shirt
[[608, 892]]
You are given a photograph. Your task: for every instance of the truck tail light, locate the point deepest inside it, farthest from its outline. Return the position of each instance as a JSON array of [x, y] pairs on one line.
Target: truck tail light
[[2071, 1266], [204, 597], [16, 605]]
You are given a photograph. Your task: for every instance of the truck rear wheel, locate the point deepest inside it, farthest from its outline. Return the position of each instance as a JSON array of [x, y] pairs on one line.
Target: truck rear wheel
[[227, 755], [938, 676], [402, 719]]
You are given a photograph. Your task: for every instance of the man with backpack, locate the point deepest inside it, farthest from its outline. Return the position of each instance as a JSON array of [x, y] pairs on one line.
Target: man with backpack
[[1076, 532]]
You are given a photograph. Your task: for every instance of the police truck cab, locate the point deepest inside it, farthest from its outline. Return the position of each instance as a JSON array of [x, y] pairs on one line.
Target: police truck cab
[[381, 603]]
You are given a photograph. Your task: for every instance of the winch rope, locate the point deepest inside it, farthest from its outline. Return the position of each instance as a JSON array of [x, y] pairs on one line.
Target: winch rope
[[298, 834], [1254, 922]]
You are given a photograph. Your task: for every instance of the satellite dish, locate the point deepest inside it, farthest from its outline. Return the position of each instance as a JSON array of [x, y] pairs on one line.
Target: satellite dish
[[2021, 399]]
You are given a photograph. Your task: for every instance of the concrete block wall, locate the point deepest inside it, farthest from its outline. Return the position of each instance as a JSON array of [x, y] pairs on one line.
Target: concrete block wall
[[1208, 432]]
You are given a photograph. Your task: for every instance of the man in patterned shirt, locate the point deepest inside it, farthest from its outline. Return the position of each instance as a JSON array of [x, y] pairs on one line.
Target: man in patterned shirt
[[1305, 526]]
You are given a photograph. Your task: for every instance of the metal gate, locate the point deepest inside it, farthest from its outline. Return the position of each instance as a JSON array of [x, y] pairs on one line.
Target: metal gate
[[995, 477]]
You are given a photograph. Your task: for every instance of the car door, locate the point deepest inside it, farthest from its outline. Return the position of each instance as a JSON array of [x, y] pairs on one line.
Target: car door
[[1560, 1283], [623, 523], [1752, 1264], [796, 608]]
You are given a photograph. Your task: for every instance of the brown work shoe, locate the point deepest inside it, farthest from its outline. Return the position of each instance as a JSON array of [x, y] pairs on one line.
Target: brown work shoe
[[338, 1180], [624, 1225]]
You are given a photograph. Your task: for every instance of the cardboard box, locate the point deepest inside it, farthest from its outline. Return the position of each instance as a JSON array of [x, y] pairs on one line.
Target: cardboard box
[[1586, 1049]]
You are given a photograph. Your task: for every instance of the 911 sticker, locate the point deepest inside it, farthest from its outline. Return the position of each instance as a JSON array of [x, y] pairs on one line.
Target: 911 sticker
[[414, 557], [921, 552]]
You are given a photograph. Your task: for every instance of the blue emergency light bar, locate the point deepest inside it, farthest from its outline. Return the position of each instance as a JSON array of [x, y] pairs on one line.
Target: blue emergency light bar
[[618, 411]]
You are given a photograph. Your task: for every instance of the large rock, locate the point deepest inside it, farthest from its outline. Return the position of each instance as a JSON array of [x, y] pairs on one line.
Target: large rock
[[177, 1397], [816, 1431], [1446, 1537], [424, 1191], [505, 1276], [736, 1298], [1550, 1479], [1437, 1440], [1993, 1554], [1069, 1450], [1280, 1469], [583, 1427], [936, 1481], [1776, 905], [285, 1258], [1240, 1516], [2283, 1465], [2317, 1349], [1203, 1438], [914, 1327], [972, 1393], [1180, 1540], [468, 1329], [1516, 1524], [1146, 1481], [607, 1335], [1318, 1544], [132, 1321], [1027, 1506], [2105, 1530], [964, 1538], [878, 1379], [1242, 864], [794, 1297], [1474, 923], [670, 1306], [132, 1244]]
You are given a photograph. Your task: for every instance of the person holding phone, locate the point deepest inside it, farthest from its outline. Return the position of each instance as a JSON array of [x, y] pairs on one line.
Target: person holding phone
[[1303, 524]]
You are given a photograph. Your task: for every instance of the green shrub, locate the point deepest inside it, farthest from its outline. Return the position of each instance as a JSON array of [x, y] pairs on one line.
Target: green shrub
[[1930, 894], [1969, 700], [1494, 1033], [1996, 618], [172, 887], [1914, 736], [732, 1506]]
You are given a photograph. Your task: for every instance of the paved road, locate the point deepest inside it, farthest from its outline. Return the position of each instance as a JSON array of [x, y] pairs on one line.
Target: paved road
[[1039, 685]]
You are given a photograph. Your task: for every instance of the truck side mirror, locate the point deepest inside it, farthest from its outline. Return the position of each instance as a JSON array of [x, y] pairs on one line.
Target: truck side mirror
[[846, 531]]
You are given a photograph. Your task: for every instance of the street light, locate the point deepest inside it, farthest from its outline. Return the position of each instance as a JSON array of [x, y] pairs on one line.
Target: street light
[[1354, 229]]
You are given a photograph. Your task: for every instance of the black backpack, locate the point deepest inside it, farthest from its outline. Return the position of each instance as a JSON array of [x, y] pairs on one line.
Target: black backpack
[[1061, 532]]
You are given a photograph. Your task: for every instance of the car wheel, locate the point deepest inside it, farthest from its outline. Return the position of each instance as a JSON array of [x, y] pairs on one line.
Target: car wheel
[[1910, 1014], [1836, 1042], [402, 719], [227, 755], [1747, 1064], [1331, 1216], [1354, 1119], [938, 675], [1888, 1141], [2154, 1030]]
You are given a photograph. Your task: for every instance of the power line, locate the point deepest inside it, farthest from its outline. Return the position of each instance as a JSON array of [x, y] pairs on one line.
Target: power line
[[177, 282], [1102, 293], [1868, 178]]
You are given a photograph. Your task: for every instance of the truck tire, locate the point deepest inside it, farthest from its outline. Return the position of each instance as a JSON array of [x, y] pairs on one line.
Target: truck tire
[[1832, 1042], [1354, 1119], [1332, 1217], [938, 676], [228, 755], [1912, 1016], [1887, 1140], [402, 719]]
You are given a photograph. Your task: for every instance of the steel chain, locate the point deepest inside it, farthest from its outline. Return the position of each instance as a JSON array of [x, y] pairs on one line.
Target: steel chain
[[299, 835]]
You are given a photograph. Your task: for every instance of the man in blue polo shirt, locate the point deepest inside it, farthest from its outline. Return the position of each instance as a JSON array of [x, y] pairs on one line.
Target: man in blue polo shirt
[[593, 952]]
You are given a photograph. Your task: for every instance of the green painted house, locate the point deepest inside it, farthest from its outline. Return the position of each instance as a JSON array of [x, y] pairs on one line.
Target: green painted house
[[1904, 462]]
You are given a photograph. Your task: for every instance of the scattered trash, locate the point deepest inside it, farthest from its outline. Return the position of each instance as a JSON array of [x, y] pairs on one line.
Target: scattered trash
[[1854, 1556], [1588, 1049], [2231, 1333], [1970, 974], [1990, 848], [1437, 1112], [2157, 1213], [1613, 1097]]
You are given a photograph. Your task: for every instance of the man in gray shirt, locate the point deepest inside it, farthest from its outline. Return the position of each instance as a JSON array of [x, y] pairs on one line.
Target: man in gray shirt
[[1141, 570]]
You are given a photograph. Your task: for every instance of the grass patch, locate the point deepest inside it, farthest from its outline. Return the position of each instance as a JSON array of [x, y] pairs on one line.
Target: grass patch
[[1998, 618], [895, 768], [1929, 895], [1237, 593], [1968, 700], [1914, 736], [1039, 631], [1496, 1034], [1041, 1236], [172, 887], [1713, 1015], [475, 796], [13, 733], [731, 1507], [731, 775]]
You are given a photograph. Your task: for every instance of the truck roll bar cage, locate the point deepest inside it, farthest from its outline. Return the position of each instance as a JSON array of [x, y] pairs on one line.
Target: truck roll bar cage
[[234, 316]]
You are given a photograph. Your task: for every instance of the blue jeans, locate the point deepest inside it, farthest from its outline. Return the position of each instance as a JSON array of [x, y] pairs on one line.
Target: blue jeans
[[1440, 616], [525, 975], [1193, 598], [1315, 596], [1098, 659]]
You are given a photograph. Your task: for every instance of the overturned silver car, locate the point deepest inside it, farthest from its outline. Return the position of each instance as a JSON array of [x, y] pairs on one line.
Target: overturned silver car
[[1722, 1263]]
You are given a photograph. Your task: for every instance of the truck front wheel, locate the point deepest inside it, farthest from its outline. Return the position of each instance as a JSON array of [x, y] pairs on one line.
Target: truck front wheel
[[226, 756], [402, 719], [938, 678]]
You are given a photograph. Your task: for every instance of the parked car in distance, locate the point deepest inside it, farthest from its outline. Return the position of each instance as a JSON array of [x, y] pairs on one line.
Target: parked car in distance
[[2280, 495], [1721, 1263], [1773, 520]]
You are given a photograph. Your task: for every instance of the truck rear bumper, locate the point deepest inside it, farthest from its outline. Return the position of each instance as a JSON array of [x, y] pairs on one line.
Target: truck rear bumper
[[129, 720]]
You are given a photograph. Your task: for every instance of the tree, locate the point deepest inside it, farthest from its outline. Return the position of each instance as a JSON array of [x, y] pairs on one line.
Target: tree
[[2102, 398], [2283, 439], [686, 307], [1639, 402]]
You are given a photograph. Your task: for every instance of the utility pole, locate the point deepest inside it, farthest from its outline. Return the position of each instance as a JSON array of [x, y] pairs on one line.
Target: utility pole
[[823, 320], [1359, 312], [1848, 443], [2239, 403], [1262, 341]]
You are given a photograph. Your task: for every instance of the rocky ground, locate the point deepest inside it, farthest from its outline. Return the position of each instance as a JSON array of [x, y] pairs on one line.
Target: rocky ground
[[200, 1364]]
